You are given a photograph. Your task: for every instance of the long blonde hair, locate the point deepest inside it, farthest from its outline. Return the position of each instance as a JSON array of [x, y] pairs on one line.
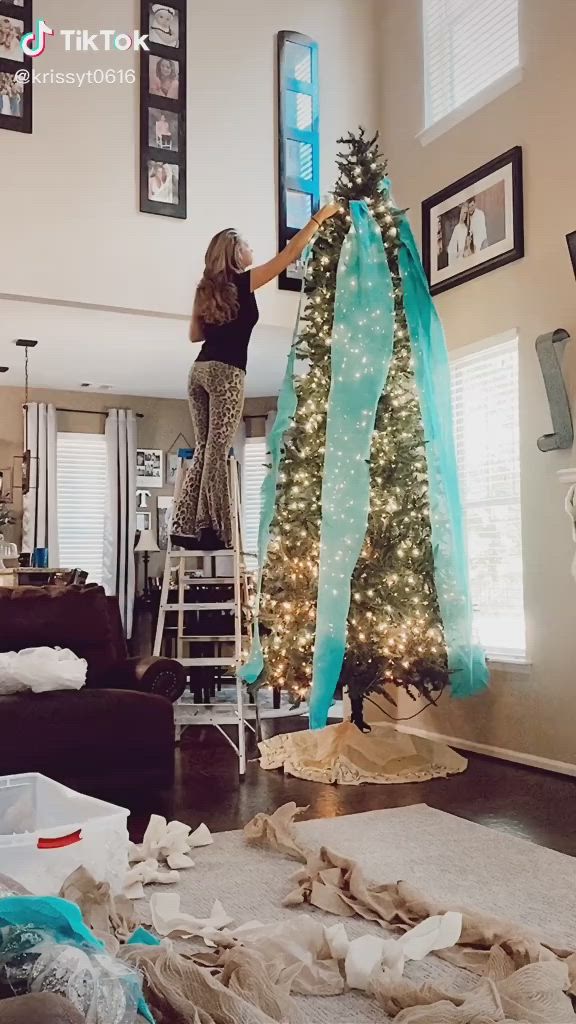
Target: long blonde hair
[[217, 294]]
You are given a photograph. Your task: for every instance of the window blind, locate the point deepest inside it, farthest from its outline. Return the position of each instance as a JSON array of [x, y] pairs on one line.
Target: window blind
[[82, 485], [254, 470], [468, 45], [485, 406]]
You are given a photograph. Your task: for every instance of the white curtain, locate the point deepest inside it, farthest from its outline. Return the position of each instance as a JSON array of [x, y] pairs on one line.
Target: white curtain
[[40, 505], [120, 532]]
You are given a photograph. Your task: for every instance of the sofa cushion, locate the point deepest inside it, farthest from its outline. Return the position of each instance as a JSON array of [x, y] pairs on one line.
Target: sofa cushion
[[72, 617], [92, 733]]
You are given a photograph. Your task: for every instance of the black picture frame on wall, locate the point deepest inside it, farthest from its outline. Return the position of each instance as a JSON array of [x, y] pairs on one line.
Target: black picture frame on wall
[[163, 87], [298, 142], [571, 243], [474, 225], [16, 89]]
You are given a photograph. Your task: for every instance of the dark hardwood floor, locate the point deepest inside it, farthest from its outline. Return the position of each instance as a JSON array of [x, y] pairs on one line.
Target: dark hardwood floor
[[525, 802]]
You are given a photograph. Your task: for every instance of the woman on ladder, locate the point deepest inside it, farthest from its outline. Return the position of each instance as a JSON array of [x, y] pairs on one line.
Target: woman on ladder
[[225, 314]]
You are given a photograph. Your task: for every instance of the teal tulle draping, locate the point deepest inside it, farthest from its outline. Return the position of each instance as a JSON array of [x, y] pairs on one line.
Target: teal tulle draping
[[466, 662], [362, 346]]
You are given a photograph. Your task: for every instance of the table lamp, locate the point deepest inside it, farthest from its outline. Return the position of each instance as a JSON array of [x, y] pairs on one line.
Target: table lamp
[[146, 546]]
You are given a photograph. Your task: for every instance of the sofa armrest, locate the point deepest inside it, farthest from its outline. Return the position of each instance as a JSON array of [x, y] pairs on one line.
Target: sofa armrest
[[162, 676]]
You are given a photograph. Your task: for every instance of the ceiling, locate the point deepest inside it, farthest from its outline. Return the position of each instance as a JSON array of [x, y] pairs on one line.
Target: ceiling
[[130, 354]]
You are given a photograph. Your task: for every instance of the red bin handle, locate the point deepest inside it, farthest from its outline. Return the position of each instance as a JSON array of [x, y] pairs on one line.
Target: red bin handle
[[58, 842]]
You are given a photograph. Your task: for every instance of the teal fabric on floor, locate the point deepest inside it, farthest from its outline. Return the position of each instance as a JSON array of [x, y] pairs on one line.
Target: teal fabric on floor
[[362, 346], [466, 662], [59, 918], [141, 937], [62, 921]]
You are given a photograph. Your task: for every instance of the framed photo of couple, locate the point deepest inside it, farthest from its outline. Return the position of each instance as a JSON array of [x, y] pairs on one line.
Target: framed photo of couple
[[163, 109], [15, 66], [475, 225]]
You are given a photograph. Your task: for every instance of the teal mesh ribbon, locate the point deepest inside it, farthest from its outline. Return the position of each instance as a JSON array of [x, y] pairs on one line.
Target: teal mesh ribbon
[[466, 662], [251, 671], [61, 922], [362, 345]]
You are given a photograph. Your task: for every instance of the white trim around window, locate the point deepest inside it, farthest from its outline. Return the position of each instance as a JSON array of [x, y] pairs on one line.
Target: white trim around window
[[472, 54]]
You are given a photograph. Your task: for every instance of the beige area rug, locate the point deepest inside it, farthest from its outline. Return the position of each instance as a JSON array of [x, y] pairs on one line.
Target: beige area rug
[[447, 857], [342, 754]]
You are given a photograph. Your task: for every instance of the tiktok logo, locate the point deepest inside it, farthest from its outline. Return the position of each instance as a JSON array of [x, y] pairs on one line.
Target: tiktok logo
[[34, 43]]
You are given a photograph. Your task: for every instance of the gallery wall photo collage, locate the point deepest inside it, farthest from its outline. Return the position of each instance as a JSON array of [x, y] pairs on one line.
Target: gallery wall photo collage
[[163, 109], [15, 67]]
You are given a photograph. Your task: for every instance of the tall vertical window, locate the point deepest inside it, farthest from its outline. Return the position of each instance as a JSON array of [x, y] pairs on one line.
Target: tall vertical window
[[485, 402], [468, 46], [82, 484], [299, 141], [254, 470]]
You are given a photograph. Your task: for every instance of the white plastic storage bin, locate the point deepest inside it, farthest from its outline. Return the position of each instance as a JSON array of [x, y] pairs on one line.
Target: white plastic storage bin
[[48, 830]]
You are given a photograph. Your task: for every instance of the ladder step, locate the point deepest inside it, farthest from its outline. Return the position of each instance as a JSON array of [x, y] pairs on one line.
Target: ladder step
[[199, 581], [211, 662], [202, 606], [212, 639], [200, 554]]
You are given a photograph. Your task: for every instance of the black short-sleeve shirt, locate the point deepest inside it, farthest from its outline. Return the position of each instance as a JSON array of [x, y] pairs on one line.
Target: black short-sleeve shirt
[[228, 343]]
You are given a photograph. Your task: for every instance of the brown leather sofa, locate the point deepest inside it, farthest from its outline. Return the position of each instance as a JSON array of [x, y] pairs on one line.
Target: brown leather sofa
[[116, 732]]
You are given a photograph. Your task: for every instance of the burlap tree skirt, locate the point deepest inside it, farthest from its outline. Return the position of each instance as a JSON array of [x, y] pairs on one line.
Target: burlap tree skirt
[[341, 753]]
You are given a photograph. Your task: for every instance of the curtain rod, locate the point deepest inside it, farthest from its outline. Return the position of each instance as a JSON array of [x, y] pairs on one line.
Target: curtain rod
[[95, 412]]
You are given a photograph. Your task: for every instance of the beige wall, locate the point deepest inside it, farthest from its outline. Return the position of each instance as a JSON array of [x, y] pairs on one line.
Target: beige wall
[[74, 185], [531, 713]]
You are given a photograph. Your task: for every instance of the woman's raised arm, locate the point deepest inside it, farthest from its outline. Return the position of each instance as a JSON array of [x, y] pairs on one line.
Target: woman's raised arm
[[259, 276]]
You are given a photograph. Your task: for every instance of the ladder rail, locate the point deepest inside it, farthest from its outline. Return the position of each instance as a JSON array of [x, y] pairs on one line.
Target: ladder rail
[[177, 562], [236, 518]]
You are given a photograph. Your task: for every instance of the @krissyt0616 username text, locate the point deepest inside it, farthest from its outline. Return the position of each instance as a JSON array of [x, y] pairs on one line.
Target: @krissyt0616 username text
[[98, 76]]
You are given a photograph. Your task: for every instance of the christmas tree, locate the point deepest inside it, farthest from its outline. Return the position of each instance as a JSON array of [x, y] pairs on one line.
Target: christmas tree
[[395, 634], [6, 516]]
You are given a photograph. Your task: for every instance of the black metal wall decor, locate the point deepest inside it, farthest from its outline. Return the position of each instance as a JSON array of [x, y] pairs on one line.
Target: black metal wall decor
[[298, 142], [163, 109], [571, 242], [547, 347], [16, 21]]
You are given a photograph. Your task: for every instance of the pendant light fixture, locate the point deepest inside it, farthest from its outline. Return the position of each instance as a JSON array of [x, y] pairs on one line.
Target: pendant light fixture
[[26, 344]]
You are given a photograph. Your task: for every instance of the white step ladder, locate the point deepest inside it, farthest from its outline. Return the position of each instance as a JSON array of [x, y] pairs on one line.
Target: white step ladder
[[182, 571]]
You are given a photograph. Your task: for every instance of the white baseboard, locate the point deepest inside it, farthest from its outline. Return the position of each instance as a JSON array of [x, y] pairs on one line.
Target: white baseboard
[[502, 753]]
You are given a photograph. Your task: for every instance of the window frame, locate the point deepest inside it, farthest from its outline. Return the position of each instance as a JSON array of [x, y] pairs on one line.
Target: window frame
[[501, 659], [287, 183], [488, 94]]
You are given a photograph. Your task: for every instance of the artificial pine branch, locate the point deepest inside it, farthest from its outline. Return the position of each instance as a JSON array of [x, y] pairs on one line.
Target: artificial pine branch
[[6, 516], [395, 637]]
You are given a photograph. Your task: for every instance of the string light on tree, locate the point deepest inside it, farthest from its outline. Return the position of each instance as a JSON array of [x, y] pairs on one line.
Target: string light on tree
[[395, 634]]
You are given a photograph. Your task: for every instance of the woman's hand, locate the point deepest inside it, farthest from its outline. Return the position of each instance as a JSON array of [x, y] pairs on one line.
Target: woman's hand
[[327, 211]]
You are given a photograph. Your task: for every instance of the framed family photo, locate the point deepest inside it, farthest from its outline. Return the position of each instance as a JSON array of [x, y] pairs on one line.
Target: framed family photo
[[475, 225], [15, 66], [163, 109], [149, 468]]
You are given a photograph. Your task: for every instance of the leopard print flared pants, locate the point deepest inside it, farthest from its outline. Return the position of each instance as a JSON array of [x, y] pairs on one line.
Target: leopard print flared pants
[[216, 395]]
